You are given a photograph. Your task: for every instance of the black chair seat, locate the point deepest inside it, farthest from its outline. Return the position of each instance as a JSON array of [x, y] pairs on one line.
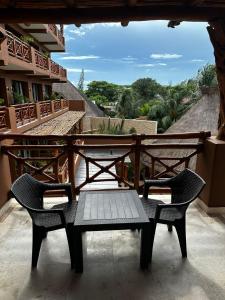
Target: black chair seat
[[185, 188], [51, 220], [167, 214], [29, 193]]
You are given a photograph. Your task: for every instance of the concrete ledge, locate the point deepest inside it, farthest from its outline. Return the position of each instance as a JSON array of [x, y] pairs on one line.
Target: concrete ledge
[[210, 210]]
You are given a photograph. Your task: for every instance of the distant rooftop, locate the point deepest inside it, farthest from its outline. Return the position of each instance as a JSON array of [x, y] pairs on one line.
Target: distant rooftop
[[59, 125]]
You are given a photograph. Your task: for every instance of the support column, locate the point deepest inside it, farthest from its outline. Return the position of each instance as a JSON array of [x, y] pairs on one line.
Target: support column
[[216, 32]]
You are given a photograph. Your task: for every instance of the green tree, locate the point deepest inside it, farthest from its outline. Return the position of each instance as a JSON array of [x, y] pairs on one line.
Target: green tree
[[146, 89], [207, 76], [80, 85], [126, 105], [102, 88]]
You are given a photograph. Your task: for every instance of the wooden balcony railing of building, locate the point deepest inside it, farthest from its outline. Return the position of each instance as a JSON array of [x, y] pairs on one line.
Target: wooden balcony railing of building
[[41, 160], [25, 113], [57, 105], [54, 67], [24, 52], [62, 72], [57, 32], [4, 119], [45, 108], [19, 115], [18, 48], [41, 60]]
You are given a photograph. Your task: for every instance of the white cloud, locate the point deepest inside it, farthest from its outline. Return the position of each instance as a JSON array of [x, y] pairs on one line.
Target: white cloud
[[69, 38], [165, 56], [81, 57], [197, 60], [78, 32], [145, 65], [73, 70], [151, 65]]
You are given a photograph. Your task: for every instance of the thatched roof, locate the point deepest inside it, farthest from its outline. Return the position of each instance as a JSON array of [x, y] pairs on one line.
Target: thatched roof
[[70, 92], [59, 125], [94, 11], [203, 116]]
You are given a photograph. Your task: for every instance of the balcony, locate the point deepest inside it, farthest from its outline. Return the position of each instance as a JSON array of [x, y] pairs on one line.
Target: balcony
[[47, 34], [18, 56], [112, 257]]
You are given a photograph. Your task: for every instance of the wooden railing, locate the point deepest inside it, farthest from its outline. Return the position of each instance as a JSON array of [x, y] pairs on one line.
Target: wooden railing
[[45, 108], [41, 61], [18, 48], [65, 103], [4, 124], [25, 113], [54, 68], [57, 32], [57, 105], [41, 159], [62, 72]]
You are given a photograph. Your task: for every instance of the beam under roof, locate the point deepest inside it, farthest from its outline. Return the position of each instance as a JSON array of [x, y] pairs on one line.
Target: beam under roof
[[112, 14]]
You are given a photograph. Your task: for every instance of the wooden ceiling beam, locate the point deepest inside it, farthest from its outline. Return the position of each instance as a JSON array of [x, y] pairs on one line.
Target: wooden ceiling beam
[[70, 3], [132, 2], [196, 2], [112, 14]]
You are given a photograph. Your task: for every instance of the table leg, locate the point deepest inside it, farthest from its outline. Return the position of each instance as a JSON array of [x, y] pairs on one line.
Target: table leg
[[78, 249], [145, 246]]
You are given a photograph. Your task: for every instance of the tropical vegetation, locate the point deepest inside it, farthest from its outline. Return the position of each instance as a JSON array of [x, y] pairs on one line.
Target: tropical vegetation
[[147, 97]]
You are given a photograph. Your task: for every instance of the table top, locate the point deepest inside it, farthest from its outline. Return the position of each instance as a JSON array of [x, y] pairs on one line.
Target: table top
[[109, 207]]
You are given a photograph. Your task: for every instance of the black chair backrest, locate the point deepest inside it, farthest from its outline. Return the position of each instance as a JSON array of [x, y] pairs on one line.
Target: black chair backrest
[[186, 186], [28, 192]]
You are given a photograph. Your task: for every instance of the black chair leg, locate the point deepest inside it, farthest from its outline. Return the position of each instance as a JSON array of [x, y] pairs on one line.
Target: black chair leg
[[37, 239], [170, 227], [45, 233], [70, 237], [181, 232], [152, 236]]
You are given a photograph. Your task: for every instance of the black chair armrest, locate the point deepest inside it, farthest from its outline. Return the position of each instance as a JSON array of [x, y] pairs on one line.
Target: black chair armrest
[[160, 207], [59, 186], [159, 183], [58, 211]]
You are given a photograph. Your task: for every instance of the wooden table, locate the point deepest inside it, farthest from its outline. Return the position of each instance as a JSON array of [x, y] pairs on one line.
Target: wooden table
[[110, 210]]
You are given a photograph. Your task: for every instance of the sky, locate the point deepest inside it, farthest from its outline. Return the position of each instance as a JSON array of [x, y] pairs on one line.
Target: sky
[[122, 55]]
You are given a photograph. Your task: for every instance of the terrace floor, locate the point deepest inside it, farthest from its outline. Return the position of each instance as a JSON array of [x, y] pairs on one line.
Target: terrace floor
[[111, 262]]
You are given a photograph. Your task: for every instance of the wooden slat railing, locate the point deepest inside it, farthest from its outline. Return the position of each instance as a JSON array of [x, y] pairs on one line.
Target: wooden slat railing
[[57, 105], [45, 108], [18, 48], [4, 121], [42, 156], [41, 60], [25, 113]]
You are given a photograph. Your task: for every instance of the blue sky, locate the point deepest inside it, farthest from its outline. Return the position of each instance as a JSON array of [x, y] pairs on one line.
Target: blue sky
[[142, 49]]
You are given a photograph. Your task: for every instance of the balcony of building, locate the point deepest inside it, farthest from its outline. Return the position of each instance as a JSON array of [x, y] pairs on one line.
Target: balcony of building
[[111, 259], [49, 35], [18, 57], [22, 117]]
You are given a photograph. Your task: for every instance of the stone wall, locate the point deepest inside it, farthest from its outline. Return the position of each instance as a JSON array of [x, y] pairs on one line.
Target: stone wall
[[141, 126]]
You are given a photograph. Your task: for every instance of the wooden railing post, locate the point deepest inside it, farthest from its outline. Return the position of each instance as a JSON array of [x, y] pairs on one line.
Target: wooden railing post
[[137, 162], [71, 166]]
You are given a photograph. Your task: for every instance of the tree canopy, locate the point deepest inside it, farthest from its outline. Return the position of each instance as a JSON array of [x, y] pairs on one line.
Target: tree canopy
[[147, 97]]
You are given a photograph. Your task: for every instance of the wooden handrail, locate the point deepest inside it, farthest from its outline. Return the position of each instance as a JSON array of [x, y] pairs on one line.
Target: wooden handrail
[[71, 146], [189, 135]]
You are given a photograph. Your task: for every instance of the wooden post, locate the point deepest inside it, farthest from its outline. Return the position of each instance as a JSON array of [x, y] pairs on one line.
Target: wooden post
[[216, 32], [137, 162], [71, 166]]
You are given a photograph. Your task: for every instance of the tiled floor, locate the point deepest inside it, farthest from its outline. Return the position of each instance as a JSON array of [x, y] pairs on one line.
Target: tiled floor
[[111, 263]]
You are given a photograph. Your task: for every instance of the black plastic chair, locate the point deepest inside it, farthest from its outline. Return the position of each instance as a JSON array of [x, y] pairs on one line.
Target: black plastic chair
[[185, 187], [29, 193]]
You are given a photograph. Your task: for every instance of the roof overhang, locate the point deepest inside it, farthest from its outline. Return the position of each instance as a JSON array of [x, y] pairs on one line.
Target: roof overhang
[[82, 12]]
